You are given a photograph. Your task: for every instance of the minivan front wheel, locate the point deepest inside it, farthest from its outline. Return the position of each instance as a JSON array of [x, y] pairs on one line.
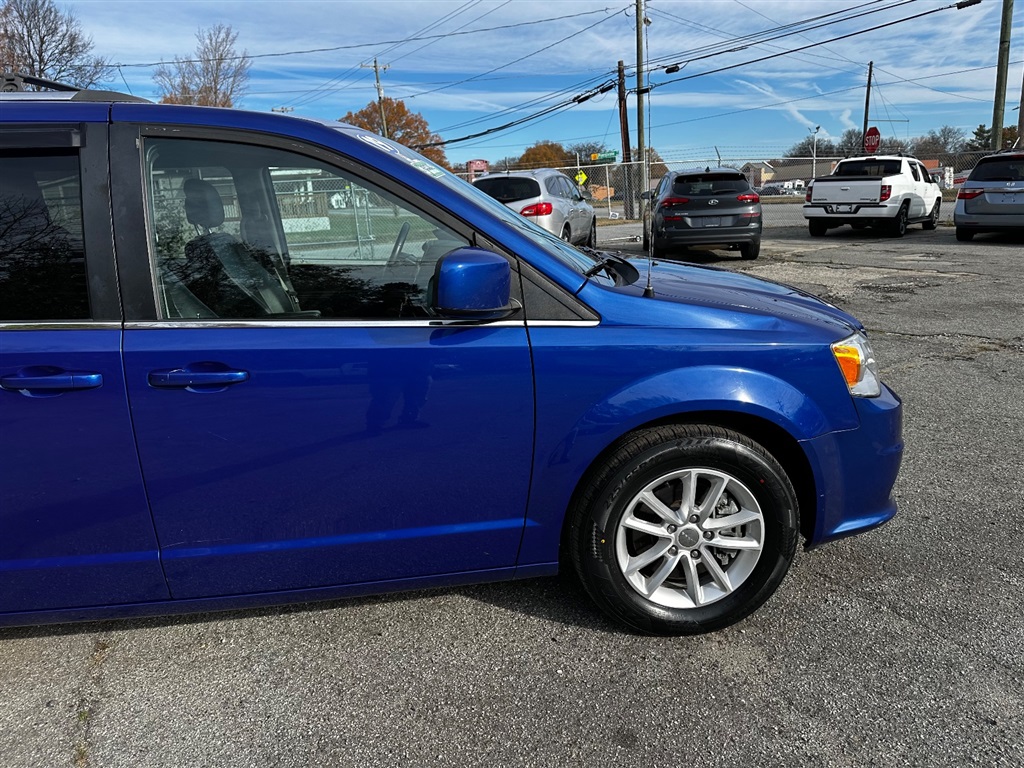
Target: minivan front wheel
[[684, 529]]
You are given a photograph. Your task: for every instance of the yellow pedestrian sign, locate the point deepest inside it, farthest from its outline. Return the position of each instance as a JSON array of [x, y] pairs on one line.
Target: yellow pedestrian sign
[[581, 178]]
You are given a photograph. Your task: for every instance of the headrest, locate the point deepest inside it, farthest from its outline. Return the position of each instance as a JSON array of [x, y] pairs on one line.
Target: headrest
[[203, 206]]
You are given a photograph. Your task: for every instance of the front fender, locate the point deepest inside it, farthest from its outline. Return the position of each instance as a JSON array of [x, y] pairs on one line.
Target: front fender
[[700, 389], [567, 449]]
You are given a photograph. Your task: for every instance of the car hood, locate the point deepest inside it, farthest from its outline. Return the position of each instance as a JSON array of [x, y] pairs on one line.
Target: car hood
[[713, 288]]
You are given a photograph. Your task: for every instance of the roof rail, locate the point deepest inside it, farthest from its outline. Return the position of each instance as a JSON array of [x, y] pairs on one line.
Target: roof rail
[[14, 82], [11, 82]]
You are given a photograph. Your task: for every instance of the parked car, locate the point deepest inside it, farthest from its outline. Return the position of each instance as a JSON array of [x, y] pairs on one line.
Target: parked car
[[716, 207], [887, 192], [547, 197], [218, 391], [992, 197], [775, 191]]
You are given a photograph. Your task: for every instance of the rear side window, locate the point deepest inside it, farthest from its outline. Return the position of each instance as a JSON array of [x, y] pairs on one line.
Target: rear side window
[[868, 168], [709, 184], [42, 254], [508, 189], [999, 169]]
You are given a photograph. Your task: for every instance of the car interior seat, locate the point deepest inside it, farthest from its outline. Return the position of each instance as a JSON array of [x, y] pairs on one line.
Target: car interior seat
[[221, 271]]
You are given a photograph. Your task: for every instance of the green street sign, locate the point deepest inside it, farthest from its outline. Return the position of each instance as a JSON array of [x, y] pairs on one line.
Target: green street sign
[[597, 156]]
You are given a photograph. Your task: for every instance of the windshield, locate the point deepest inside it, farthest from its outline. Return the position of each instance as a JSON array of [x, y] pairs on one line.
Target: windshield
[[508, 189], [1000, 169]]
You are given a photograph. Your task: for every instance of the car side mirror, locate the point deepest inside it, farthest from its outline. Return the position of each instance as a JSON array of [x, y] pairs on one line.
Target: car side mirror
[[474, 284], [645, 195]]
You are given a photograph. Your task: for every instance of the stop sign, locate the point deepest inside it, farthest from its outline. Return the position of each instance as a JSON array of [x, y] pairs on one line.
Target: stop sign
[[871, 140]]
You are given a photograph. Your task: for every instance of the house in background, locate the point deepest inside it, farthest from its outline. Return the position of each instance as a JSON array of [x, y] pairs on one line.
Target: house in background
[[758, 174]]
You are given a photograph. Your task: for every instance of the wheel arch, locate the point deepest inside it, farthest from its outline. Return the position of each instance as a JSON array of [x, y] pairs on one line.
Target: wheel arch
[[780, 443]]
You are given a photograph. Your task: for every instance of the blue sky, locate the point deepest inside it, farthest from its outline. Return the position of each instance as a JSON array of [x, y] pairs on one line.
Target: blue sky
[[477, 79]]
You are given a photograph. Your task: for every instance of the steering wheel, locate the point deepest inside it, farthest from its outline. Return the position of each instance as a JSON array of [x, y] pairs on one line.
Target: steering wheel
[[396, 250]]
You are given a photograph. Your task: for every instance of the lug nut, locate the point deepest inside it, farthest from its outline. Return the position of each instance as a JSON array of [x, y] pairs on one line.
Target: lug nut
[[673, 550], [709, 535], [671, 529], [695, 554], [694, 518]]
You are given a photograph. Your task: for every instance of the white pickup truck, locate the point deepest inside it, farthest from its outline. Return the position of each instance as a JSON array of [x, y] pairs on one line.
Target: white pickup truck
[[888, 192]]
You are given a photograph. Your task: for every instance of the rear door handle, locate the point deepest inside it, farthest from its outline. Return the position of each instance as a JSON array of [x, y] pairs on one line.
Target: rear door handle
[[46, 378], [197, 377]]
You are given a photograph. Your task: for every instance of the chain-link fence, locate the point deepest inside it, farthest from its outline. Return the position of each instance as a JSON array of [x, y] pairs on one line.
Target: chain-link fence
[[615, 188]]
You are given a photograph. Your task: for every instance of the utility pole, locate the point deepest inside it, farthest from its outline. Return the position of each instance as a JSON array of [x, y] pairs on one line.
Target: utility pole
[[640, 90], [1002, 66], [380, 94], [1020, 118], [867, 105], [627, 197]]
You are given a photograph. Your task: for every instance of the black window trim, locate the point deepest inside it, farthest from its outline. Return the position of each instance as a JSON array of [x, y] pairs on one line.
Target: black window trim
[[91, 142], [128, 178]]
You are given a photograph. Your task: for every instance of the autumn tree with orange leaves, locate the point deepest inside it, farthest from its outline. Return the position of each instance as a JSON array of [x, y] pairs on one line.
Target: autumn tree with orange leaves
[[407, 128]]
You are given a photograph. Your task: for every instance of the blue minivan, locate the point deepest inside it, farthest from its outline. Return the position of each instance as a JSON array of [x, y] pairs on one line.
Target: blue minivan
[[250, 359]]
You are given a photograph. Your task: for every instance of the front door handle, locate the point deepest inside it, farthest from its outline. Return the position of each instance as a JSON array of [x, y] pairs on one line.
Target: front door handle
[[49, 379], [198, 377]]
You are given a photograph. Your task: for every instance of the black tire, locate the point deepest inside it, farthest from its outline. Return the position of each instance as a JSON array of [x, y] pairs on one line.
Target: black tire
[[933, 217], [607, 534], [964, 235], [658, 252], [566, 234], [750, 250], [592, 237], [859, 225], [898, 227], [817, 228]]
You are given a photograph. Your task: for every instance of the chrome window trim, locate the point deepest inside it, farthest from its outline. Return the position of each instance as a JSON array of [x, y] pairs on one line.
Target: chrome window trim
[[563, 323], [57, 325], [297, 324]]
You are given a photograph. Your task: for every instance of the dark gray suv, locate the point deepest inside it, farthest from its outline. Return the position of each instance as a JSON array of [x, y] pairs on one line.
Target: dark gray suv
[[714, 207]]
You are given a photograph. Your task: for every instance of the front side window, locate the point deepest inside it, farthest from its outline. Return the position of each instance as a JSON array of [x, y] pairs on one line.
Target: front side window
[[42, 253], [913, 171], [246, 232]]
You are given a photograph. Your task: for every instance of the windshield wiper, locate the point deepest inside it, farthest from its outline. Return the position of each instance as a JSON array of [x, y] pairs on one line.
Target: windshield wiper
[[615, 264]]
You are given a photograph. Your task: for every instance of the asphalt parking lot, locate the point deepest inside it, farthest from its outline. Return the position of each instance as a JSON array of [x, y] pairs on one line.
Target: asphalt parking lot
[[904, 646]]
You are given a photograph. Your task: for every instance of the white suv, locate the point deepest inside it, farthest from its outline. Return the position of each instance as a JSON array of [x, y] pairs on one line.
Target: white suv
[[547, 197]]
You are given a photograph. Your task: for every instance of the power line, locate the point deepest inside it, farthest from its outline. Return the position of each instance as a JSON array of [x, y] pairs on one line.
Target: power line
[[319, 93], [516, 61], [793, 101], [960, 5], [383, 42], [776, 33]]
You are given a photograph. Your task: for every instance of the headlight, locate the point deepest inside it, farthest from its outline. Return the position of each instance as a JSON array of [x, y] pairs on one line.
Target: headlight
[[857, 363]]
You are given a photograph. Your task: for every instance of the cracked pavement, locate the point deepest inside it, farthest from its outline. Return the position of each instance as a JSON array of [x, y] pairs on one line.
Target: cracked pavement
[[904, 646]]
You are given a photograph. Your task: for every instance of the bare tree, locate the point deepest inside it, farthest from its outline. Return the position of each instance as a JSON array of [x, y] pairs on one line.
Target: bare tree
[[37, 38], [215, 76]]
